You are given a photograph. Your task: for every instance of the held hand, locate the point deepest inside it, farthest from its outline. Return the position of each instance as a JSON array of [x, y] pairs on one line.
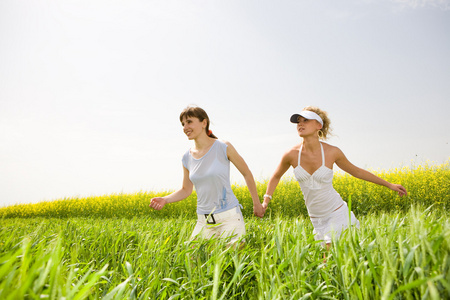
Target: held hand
[[157, 203], [266, 203], [258, 210], [264, 209], [399, 189]]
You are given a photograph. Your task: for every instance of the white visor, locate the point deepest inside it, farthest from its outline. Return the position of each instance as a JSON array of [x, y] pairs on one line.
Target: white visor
[[307, 114]]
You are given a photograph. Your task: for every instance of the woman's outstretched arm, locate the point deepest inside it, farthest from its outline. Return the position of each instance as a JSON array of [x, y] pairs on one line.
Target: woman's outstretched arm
[[159, 202], [343, 163]]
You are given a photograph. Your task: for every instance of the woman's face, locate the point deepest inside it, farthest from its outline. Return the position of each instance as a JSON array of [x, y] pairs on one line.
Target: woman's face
[[306, 127], [192, 127]]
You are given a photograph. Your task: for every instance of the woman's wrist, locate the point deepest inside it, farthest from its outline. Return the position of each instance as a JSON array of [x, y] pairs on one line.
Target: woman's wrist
[[256, 200]]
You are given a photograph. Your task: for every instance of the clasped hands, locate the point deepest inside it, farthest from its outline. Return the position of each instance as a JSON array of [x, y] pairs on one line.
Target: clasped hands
[[260, 209]]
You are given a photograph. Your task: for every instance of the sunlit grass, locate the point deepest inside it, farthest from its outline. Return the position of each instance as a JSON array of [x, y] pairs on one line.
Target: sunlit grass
[[116, 247], [392, 256]]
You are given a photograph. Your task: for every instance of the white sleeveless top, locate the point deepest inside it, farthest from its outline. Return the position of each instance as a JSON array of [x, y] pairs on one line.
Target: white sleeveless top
[[210, 175], [320, 197]]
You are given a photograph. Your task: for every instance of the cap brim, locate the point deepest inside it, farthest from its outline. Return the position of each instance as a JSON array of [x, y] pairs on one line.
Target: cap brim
[[294, 118]]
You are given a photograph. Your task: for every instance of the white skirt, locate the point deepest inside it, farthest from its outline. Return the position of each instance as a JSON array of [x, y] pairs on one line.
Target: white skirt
[[221, 225], [333, 224]]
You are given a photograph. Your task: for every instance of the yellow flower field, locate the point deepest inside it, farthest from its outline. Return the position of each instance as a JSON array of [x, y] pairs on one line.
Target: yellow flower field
[[427, 185]]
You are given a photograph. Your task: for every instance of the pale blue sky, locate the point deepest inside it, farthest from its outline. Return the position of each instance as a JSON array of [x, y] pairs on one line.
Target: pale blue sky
[[91, 91]]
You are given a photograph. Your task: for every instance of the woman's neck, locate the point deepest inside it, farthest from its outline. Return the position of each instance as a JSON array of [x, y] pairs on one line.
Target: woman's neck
[[203, 142], [310, 144]]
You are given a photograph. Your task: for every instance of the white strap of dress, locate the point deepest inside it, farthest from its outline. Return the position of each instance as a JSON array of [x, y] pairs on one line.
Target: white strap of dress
[[321, 148], [323, 155], [299, 154]]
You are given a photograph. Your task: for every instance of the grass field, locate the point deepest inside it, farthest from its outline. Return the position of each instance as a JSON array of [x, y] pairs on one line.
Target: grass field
[[114, 247], [392, 256]]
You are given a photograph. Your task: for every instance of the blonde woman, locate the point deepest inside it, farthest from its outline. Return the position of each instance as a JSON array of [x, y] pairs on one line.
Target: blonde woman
[[312, 161], [207, 167]]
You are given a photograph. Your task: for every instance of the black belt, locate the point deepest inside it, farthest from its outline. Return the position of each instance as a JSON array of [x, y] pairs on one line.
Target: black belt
[[210, 219]]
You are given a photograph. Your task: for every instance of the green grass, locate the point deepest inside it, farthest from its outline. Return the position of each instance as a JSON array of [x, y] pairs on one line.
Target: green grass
[[116, 247], [392, 256]]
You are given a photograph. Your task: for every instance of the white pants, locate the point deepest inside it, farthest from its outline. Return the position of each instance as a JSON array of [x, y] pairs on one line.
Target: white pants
[[333, 224], [227, 223]]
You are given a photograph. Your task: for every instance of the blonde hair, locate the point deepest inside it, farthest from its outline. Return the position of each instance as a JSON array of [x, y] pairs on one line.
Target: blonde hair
[[326, 128]]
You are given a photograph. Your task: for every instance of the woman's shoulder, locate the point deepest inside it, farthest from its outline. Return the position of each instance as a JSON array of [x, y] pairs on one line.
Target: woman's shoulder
[[223, 143], [294, 149], [186, 158], [292, 153], [187, 153], [224, 146], [331, 148], [332, 151]]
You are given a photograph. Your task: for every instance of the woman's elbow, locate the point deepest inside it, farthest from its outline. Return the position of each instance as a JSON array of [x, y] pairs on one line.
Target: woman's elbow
[[187, 190], [248, 176]]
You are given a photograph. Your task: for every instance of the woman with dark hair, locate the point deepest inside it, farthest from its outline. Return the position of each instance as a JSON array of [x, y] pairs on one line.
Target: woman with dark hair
[[207, 167]]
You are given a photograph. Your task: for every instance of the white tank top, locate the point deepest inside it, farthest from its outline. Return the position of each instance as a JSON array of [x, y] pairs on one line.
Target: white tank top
[[210, 175], [320, 197]]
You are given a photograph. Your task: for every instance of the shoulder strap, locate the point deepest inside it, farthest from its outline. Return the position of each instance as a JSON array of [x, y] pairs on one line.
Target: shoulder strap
[[323, 155], [299, 154]]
